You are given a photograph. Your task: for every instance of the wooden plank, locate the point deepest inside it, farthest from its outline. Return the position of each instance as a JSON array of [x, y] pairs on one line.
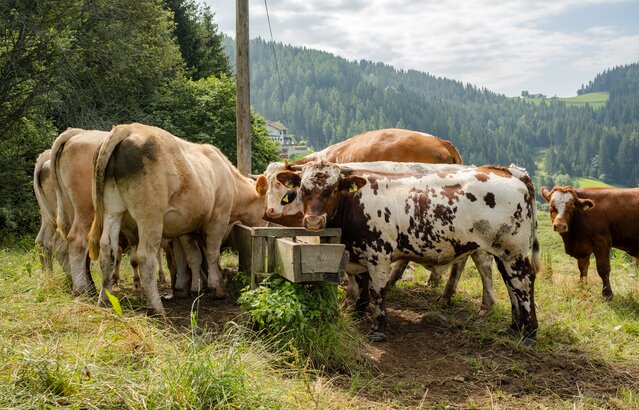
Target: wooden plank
[[286, 259], [323, 258], [290, 232], [241, 240]]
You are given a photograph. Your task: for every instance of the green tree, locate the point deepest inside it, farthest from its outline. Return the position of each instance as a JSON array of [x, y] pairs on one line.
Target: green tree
[[199, 40], [203, 111]]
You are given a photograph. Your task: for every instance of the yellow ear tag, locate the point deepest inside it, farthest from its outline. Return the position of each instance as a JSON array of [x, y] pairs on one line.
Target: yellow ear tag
[[353, 187], [288, 184], [285, 199], [586, 207]]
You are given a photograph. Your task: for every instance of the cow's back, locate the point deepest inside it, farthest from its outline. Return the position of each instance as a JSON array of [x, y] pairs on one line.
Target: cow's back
[[391, 144]]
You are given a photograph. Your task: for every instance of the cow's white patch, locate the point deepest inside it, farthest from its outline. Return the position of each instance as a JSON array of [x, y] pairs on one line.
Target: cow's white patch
[[311, 171], [561, 200]]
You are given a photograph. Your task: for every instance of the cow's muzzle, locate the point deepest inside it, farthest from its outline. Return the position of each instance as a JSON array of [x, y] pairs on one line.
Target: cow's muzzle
[[315, 222], [272, 213], [560, 227]]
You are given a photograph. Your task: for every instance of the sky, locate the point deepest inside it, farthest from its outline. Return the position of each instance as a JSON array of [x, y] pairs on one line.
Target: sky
[[507, 46]]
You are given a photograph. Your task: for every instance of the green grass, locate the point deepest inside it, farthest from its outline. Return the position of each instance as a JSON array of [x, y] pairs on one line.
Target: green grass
[[595, 100], [59, 351], [589, 183]]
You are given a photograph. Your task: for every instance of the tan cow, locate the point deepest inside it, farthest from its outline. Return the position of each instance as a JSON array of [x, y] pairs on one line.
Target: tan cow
[[168, 187], [49, 240], [71, 165]]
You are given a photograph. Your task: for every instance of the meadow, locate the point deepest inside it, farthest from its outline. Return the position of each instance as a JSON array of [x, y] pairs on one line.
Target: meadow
[[57, 351], [595, 100]]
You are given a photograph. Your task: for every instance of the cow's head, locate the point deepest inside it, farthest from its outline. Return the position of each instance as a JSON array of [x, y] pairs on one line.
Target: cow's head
[[564, 202], [281, 198], [321, 185]]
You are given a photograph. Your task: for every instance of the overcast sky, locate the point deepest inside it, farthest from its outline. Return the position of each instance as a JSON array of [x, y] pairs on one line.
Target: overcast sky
[[542, 46]]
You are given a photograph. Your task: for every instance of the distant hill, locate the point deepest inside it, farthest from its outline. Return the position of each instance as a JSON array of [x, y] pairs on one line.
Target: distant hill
[[324, 99]]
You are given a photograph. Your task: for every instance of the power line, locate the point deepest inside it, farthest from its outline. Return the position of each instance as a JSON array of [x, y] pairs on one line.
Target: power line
[[277, 66]]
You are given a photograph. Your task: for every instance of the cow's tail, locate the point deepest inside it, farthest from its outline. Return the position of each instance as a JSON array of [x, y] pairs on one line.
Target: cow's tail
[[45, 206], [457, 159], [63, 221], [100, 161]]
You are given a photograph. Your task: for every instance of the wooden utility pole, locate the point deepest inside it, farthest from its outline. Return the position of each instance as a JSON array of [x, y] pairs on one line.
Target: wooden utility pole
[[243, 104]]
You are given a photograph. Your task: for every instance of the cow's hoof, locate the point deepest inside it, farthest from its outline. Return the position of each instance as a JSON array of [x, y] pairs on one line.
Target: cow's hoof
[[529, 341], [512, 332], [607, 298], [443, 300], [378, 337]]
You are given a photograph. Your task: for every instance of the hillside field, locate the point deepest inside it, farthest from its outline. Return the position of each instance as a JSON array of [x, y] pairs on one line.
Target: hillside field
[[59, 351], [596, 100]]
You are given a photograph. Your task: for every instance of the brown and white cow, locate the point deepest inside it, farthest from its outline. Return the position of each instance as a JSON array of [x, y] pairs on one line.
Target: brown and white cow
[[482, 260], [432, 219], [593, 220], [49, 240], [391, 145], [166, 187]]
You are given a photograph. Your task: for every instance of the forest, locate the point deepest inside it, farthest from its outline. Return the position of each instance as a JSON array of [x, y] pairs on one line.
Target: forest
[[325, 99], [95, 63]]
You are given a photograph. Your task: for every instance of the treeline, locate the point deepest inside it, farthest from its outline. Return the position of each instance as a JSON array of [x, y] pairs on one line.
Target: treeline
[[325, 99], [95, 63]]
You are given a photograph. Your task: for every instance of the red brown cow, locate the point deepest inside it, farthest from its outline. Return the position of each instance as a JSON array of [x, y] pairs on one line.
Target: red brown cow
[[593, 220]]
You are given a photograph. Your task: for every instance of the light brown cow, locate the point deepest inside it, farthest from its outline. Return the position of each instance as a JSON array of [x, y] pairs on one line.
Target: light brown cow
[[168, 187], [50, 242], [71, 165]]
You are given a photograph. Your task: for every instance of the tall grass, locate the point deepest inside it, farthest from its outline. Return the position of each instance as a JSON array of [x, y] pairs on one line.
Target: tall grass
[[59, 351]]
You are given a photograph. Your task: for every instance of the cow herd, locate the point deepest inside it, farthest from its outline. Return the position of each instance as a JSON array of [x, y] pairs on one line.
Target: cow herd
[[399, 196]]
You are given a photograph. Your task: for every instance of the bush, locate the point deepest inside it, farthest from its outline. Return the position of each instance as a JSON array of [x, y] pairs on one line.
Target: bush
[[304, 320]]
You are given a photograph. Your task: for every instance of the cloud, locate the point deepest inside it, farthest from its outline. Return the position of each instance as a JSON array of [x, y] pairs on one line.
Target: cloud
[[502, 45]]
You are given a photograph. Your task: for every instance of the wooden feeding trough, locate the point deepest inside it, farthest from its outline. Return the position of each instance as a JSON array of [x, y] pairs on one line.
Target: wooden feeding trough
[[289, 253]]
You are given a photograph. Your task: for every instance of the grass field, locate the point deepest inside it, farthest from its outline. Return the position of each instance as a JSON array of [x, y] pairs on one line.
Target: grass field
[[589, 182], [57, 351], [595, 100]]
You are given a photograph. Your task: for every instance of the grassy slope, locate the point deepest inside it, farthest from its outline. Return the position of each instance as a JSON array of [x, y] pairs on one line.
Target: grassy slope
[[596, 100]]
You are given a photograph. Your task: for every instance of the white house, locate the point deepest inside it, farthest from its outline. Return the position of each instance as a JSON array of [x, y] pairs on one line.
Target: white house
[[279, 132]]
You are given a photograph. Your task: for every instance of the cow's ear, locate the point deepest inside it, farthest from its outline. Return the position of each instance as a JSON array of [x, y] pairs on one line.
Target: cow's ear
[[261, 185], [545, 193], [351, 183], [289, 179], [585, 204]]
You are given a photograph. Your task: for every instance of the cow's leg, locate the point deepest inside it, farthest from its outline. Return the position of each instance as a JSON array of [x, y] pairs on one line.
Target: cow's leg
[[194, 260], [213, 238], [519, 277], [45, 240], [583, 264], [150, 239], [397, 272], [484, 263], [379, 278], [161, 274], [456, 270], [77, 245], [602, 257], [182, 272], [109, 249], [59, 246]]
